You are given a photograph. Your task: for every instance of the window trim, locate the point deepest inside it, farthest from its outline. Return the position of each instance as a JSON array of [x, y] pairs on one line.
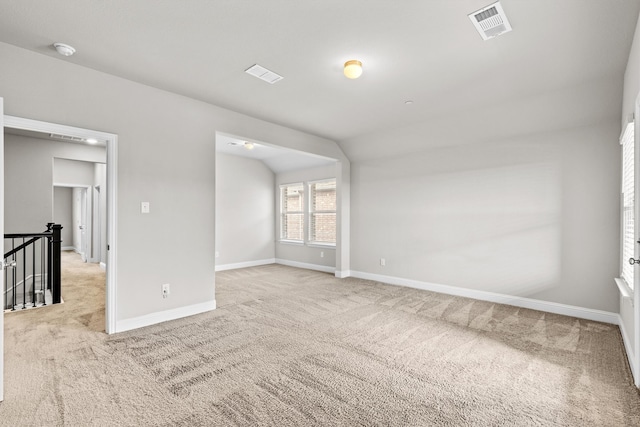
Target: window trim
[[308, 241], [306, 215], [283, 213]]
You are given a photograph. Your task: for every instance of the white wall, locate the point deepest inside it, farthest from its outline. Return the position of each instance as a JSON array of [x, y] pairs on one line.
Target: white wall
[[62, 198], [296, 253], [532, 216], [29, 171], [73, 172], [245, 211], [166, 143]]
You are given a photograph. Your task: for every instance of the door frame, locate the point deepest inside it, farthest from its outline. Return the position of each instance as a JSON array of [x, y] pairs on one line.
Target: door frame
[[2, 233], [635, 364], [86, 249], [112, 199], [83, 223]]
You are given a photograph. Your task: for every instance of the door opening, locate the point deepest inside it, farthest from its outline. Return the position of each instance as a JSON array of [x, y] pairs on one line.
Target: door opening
[[28, 126]]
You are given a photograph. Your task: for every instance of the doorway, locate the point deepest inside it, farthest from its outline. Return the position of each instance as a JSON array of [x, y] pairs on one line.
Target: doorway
[[28, 126]]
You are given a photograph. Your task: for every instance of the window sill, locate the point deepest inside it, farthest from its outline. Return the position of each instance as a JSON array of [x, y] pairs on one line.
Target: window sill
[[291, 242], [321, 245], [624, 289]]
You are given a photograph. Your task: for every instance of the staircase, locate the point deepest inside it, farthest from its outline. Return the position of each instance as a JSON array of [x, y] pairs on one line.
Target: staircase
[[32, 269]]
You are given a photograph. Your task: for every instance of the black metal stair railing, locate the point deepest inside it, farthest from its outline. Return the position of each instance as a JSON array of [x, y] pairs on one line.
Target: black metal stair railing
[[32, 268]]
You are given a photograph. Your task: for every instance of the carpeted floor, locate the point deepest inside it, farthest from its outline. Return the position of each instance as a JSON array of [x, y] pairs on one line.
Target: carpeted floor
[[293, 347]]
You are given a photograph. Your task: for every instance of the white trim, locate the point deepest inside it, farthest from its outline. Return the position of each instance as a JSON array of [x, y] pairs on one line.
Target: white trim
[[164, 316], [625, 290], [546, 306], [112, 199], [2, 125], [111, 312], [310, 212], [323, 268], [342, 274], [68, 248], [103, 265], [46, 127], [321, 245], [245, 264], [292, 242], [628, 347], [67, 185]]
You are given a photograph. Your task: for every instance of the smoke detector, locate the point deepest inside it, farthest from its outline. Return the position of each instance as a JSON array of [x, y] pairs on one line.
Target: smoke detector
[[490, 21], [64, 49]]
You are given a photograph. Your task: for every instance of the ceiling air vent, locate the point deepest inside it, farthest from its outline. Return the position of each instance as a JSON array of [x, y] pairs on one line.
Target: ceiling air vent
[[490, 21], [67, 137], [263, 74]]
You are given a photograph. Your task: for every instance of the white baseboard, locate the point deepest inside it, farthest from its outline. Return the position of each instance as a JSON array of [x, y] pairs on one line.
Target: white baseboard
[[103, 265], [628, 347], [323, 268], [68, 248], [164, 316], [343, 274], [549, 307], [246, 264]]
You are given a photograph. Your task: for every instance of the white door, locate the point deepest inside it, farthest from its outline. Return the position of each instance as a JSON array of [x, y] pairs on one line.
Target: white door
[[2, 234]]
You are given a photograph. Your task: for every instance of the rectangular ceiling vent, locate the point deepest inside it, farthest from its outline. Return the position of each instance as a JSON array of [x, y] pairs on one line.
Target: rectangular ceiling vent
[[67, 137], [490, 21], [263, 74]]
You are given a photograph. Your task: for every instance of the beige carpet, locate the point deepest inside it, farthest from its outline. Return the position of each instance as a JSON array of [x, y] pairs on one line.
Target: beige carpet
[[292, 347]]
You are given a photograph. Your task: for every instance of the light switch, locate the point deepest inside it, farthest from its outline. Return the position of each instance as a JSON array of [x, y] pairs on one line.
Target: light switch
[[144, 207]]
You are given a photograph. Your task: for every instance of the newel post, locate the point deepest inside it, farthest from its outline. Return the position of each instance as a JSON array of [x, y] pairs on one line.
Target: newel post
[[55, 267]]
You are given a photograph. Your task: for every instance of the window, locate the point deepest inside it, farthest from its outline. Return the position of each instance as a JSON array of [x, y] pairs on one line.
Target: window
[[292, 212], [322, 212], [628, 203]]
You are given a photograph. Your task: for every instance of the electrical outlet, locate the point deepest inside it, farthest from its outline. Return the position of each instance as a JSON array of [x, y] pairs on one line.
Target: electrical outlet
[[383, 262], [166, 290]]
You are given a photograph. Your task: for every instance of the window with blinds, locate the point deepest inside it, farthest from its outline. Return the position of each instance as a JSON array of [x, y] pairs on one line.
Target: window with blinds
[[292, 212], [322, 212], [628, 203]]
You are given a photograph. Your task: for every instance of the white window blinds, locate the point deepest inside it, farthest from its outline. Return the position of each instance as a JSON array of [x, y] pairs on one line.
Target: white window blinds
[[628, 203]]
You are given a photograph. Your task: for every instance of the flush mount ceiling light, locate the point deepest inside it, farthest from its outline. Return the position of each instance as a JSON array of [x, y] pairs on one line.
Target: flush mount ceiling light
[[64, 49], [249, 145], [353, 69]]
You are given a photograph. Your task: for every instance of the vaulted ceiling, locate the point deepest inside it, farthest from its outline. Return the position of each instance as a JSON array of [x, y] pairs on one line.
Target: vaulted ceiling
[[427, 52]]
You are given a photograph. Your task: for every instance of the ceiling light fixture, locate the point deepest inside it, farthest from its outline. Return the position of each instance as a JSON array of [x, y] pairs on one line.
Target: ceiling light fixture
[[353, 69], [249, 145], [92, 141], [64, 49]]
